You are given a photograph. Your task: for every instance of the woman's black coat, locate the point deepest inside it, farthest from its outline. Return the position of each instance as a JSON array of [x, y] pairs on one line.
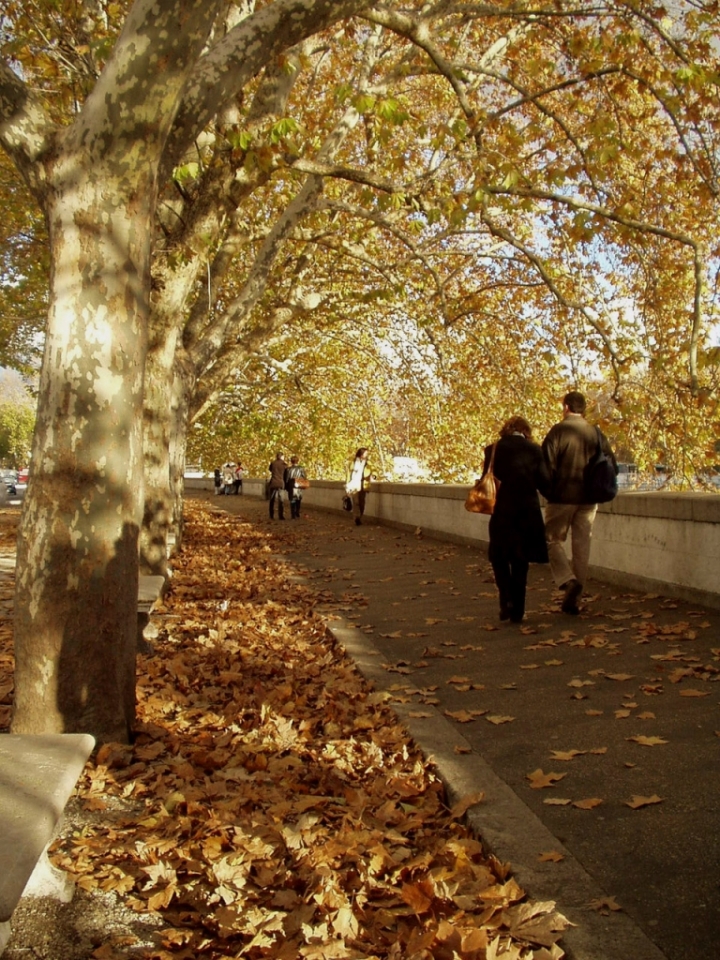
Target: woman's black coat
[[517, 529]]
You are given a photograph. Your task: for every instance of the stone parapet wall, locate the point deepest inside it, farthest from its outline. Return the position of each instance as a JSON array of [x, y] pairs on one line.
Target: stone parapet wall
[[665, 543]]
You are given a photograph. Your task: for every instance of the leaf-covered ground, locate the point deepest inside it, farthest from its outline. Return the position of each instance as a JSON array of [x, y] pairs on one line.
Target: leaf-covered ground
[[272, 805]]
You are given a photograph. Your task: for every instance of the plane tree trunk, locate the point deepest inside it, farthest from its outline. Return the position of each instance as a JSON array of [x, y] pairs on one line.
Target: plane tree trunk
[[77, 563]]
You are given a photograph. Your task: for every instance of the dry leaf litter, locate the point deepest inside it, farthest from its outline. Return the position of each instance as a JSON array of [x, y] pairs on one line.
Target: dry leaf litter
[[271, 806]]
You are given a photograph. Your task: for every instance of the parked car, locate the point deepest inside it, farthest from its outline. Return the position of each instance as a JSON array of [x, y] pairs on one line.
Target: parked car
[[22, 475], [9, 478]]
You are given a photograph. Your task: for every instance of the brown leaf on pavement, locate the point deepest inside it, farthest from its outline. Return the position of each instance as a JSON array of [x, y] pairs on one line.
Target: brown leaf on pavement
[[566, 754], [552, 856], [637, 802], [460, 808], [647, 741], [588, 804], [605, 905], [462, 716], [539, 780]]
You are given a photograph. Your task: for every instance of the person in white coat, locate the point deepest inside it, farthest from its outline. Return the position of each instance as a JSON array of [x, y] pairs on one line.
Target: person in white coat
[[357, 483]]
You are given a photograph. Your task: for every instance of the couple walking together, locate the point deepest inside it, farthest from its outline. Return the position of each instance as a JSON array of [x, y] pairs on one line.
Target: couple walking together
[[286, 480], [518, 534]]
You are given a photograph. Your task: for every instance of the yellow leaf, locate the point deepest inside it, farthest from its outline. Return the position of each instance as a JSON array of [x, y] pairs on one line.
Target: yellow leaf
[[647, 741], [498, 719], [588, 804]]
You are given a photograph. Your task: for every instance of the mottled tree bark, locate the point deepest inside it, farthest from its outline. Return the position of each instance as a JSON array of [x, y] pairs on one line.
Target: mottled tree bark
[[77, 567]]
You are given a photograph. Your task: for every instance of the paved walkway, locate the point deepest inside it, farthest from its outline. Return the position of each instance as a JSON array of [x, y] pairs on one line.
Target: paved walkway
[[595, 739]]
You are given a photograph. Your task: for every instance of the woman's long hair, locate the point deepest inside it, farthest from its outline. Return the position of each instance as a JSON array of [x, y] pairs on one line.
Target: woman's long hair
[[360, 452]]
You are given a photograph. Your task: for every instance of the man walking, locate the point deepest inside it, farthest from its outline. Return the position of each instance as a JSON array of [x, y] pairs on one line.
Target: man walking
[[568, 448], [277, 486]]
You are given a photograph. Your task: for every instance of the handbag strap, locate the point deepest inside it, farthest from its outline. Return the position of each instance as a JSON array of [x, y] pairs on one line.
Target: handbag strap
[[492, 458]]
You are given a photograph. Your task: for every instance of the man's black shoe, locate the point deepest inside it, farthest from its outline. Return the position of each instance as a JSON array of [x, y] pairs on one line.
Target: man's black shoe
[[573, 589]]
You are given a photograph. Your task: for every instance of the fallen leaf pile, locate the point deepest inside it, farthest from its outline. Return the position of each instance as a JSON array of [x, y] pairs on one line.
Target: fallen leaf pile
[[271, 805]]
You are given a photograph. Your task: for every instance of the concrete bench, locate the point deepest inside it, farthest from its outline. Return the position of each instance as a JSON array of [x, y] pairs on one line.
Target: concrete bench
[[37, 775], [150, 589]]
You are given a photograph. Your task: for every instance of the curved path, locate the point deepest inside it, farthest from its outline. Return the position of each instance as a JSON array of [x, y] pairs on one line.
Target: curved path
[[595, 739]]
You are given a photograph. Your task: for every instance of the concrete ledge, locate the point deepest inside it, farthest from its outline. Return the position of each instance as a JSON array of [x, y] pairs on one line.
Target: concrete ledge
[[150, 589], [37, 775], [655, 542]]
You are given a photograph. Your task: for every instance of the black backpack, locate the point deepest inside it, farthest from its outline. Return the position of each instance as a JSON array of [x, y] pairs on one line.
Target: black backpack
[[600, 479]]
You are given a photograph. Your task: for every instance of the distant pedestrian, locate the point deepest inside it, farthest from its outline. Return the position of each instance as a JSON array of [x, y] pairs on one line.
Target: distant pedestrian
[[517, 533], [276, 486], [218, 481], [568, 448], [357, 483], [228, 478], [237, 478], [294, 473]]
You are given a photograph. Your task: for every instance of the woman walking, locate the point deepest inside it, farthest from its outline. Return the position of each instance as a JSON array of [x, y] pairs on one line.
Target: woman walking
[[357, 484], [294, 473], [517, 531]]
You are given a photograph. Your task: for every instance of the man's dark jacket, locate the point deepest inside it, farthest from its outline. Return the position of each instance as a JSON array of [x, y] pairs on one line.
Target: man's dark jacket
[[277, 474], [568, 448]]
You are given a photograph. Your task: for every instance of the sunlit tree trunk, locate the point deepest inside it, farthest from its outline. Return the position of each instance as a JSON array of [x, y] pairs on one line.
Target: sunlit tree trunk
[[77, 569], [158, 507], [77, 565]]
